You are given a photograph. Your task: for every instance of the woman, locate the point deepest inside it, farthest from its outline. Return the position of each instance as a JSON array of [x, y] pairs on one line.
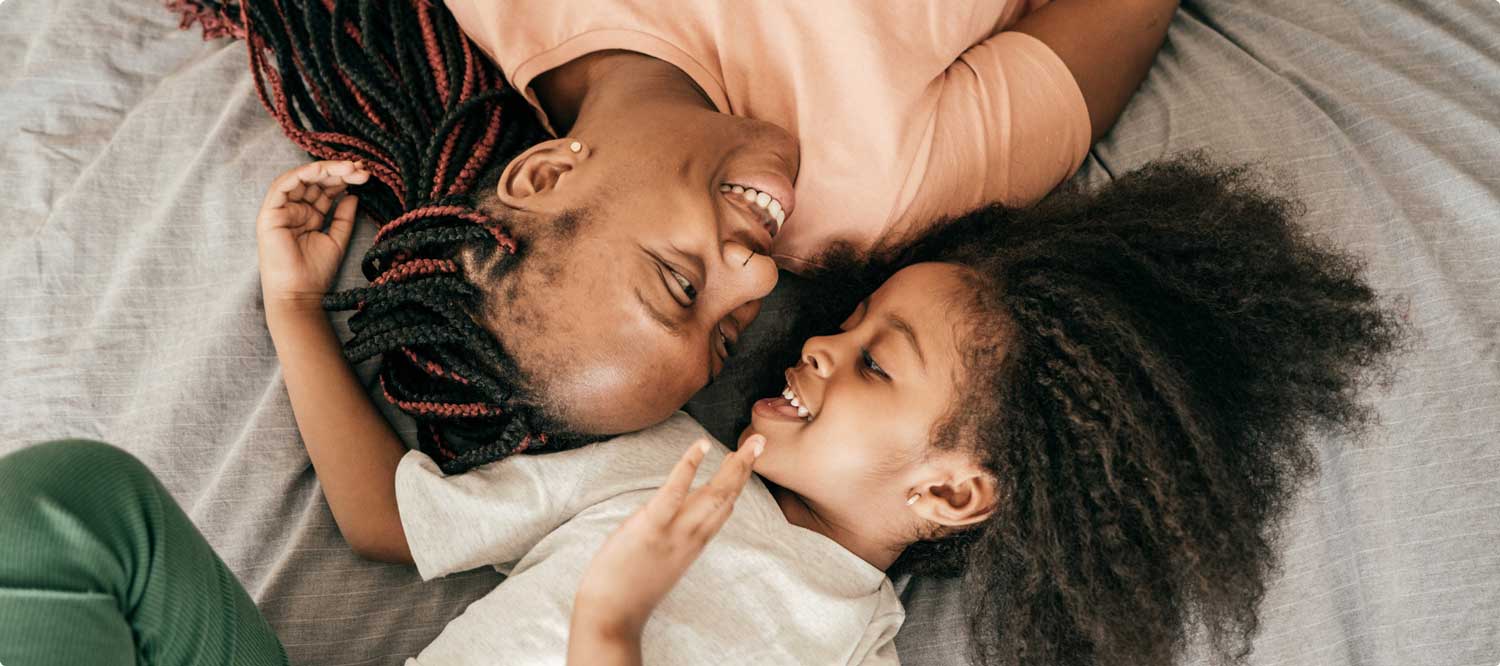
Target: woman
[[883, 129]]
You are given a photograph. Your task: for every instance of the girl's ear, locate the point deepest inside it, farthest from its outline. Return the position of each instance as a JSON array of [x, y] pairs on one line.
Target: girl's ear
[[542, 169], [958, 495]]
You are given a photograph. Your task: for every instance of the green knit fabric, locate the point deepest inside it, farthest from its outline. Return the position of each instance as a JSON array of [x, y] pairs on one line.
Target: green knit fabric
[[99, 566]]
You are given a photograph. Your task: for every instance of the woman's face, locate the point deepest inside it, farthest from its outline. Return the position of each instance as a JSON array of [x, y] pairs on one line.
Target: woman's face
[[629, 314], [870, 396]]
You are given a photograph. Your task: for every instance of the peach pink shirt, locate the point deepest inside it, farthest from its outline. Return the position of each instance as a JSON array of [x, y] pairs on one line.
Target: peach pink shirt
[[905, 111]]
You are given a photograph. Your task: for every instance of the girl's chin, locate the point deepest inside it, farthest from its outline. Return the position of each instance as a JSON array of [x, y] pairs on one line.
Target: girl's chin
[[774, 424]]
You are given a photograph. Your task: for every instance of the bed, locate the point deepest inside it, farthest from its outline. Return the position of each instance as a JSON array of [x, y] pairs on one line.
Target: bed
[[133, 156]]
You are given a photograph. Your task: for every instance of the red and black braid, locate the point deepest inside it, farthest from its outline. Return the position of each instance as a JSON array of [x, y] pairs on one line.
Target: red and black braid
[[396, 85]]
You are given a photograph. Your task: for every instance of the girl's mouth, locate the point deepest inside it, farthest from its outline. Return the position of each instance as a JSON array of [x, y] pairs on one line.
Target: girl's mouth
[[785, 407], [777, 408]]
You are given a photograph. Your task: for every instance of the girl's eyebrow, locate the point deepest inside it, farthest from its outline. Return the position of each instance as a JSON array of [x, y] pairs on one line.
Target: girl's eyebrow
[[909, 333]]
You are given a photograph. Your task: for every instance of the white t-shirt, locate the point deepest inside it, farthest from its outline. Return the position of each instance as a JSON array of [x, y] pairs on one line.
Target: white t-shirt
[[764, 591]]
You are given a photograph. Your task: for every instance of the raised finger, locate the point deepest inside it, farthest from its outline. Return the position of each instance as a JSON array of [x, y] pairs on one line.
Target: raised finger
[[718, 495], [665, 503]]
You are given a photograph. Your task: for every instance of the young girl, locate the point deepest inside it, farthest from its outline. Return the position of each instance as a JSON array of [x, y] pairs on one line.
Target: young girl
[[1095, 411]]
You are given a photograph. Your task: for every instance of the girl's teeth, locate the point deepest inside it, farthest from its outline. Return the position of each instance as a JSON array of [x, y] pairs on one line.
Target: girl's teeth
[[787, 393], [802, 412], [795, 403], [762, 199]]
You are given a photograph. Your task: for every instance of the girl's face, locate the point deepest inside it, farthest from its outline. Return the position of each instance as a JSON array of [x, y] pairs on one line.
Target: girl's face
[[867, 399]]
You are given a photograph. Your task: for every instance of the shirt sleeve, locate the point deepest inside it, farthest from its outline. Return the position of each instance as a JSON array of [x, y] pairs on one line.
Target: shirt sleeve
[[493, 515], [1010, 125]]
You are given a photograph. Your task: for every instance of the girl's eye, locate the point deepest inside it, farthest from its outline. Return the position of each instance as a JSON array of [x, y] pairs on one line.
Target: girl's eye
[[687, 286], [870, 363]]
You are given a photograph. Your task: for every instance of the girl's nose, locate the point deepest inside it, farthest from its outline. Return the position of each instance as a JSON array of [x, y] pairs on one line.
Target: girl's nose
[[817, 355]]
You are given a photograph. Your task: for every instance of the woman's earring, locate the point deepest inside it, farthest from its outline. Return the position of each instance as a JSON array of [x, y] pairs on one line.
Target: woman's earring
[[575, 146], [913, 499]]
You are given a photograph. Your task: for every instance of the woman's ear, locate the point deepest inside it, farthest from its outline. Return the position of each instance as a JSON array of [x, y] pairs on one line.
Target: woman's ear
[[542, 169], [957, 495]]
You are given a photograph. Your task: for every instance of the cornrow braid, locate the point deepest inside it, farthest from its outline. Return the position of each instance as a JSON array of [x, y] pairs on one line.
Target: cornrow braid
[[395, 85]]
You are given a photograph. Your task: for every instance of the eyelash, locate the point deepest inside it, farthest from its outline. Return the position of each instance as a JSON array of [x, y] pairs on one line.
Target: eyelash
[[686, 285], [870, 364]]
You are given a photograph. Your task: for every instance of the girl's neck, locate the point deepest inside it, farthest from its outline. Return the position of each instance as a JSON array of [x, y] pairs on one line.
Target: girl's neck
[[879, 553]]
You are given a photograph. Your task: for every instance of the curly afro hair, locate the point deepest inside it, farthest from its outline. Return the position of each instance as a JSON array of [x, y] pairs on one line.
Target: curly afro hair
[[1144, 366]]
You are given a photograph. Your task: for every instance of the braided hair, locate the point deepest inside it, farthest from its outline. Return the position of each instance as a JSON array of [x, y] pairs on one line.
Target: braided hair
[[1143, 367], [396, 85]]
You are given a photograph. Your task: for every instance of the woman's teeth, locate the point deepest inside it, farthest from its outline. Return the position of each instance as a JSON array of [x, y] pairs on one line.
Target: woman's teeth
[[791, 397], [765, 201]]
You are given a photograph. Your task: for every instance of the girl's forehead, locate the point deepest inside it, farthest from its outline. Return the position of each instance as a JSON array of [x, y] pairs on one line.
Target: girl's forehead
[[924, 303], [930, 294]]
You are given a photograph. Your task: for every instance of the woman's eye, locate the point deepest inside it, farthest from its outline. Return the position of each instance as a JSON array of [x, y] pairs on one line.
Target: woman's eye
[[870, 363], [686, 285]]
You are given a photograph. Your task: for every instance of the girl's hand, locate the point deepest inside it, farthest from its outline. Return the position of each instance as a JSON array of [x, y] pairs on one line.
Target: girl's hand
[[298, 257], [649, 552]]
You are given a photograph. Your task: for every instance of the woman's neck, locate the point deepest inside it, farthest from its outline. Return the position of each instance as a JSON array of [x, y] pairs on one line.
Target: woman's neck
[[607, 86], [881, 554]]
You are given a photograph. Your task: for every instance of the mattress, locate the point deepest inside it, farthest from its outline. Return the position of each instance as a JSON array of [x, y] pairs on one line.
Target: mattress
[[133, 157]]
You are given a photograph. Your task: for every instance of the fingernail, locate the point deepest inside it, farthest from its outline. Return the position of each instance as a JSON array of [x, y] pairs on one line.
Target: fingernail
[[703, 446], [760, 445]]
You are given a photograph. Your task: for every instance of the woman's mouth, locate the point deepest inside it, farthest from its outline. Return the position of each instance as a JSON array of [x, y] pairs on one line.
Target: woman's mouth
[[763, 205]]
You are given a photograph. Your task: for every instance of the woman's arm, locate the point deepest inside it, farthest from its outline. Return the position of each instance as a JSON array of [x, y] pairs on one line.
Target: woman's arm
[[353, 450], [1108, 46], [1019, 110]]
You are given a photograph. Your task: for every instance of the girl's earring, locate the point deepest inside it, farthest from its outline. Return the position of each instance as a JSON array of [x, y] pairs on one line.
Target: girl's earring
[[913, 499], [575, 146]]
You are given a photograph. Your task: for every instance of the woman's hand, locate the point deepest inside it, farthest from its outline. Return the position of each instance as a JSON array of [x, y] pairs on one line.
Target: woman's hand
[[649, 552], [298, 257]]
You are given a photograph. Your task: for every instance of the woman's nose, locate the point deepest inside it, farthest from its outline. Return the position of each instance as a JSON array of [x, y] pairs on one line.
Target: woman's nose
[[748, 275]]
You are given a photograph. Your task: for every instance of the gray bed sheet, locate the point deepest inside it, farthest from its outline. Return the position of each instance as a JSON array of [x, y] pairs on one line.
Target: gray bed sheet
[[133, 157]]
